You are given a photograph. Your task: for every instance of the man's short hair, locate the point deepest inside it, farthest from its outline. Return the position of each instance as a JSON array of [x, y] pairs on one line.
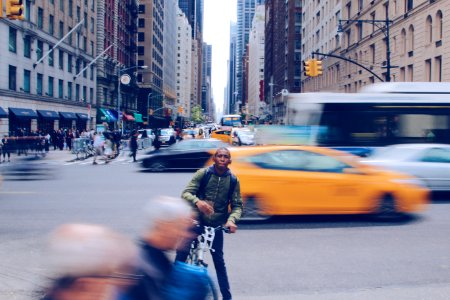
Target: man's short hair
[[222, 149]]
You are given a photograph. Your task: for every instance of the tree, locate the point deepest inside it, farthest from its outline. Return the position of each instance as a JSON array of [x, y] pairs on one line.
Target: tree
[[196, 114]]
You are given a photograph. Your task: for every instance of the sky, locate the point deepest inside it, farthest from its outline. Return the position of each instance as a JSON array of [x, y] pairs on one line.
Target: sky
[[216, 32]]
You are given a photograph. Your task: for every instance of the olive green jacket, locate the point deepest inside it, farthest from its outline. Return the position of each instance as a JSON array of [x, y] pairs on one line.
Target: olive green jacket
[[216, 190]]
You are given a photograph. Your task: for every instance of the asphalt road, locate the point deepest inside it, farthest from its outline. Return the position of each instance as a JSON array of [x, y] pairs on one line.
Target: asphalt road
[[284, 258]]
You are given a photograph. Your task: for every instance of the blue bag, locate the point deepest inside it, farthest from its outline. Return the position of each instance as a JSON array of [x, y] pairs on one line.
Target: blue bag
[[187, 282]]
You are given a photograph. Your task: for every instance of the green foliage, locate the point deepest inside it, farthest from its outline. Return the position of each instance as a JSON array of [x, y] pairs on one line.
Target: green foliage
[[196, 114]]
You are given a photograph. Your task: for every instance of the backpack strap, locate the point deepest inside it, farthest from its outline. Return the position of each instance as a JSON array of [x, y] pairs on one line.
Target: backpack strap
[[233, 183], [205, 179]]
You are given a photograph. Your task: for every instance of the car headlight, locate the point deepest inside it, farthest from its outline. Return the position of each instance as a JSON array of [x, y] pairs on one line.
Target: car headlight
[[410, 181]]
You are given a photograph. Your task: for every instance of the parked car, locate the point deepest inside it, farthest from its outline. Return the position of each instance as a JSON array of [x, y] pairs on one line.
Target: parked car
[[306, 180], [167, 136], [145, 138], [429, 162], [190, 154]]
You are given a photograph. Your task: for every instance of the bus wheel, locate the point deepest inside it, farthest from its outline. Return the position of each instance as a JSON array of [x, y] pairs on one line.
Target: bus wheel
[[252, 212]]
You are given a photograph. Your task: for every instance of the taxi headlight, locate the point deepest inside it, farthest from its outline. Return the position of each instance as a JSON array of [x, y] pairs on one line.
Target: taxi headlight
[[410, 181]]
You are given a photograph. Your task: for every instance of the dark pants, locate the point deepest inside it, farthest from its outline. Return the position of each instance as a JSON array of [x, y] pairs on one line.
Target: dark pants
[[219, 262]]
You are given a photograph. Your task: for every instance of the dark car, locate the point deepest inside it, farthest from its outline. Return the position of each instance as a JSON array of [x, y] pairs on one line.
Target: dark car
[[189, 154]]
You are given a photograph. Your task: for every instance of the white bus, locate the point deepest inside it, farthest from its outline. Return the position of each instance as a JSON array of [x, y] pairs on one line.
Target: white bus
[[381, 115], [231, 120]]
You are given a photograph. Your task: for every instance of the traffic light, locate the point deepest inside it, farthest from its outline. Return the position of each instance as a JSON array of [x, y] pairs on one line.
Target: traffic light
[[14, 9], [319, 68], [309, 66]]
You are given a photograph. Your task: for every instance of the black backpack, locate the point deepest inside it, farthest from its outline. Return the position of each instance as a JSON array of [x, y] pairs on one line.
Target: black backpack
[[205, 180]]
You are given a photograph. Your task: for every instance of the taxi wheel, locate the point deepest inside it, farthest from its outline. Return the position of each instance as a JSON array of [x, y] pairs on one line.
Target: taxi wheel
[[251, 211], [387, 209], [157, 166]]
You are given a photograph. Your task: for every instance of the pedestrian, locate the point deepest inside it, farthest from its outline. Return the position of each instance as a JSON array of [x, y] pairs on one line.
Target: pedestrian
[[98, 146], [90, 262], [6, 148], [133, 144], [168, 221], [211, 191], [157, 142]]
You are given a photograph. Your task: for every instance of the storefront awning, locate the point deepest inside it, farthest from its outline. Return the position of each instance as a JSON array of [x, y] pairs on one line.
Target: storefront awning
[[82, 116], [3, 113], [129, 118], [68, 115], [138, 118], [48, 114], [24, 113], [107, 115]]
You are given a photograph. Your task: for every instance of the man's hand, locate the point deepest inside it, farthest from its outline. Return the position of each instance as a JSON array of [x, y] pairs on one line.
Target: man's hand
[[231, 226], [204, 207]]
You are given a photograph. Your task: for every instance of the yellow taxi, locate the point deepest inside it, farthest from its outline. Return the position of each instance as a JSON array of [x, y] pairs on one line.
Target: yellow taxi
[[223, 134], [304, 180]]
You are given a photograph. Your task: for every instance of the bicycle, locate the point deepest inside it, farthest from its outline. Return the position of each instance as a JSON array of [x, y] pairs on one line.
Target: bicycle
[[198, 248]]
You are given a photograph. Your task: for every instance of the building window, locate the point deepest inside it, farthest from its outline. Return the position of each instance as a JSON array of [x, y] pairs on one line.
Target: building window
[[78, 14], [61, 5], [411, 38], [69, 63], [70, 8], [93, 5], [70, 36], [27, 10], [92, 25], [141, 9], [39, 80], [92, 48], [51, 21], [12, 40], [403, 41], [61, 29], [77, 92], [85, 70], [141, 23], [92, 72], [438, 68], [77, 66], [429, 29], [12, 77], [439, 25], [61, 60], [50, 56], [84, 94], [27, 46], [91, 95], [410, 73], [428, 70], [409, 5], [69, 90], [50, 86], [141, 50], [85, 20], [40, 20], [141, 36], [26, 81], [61, 88]]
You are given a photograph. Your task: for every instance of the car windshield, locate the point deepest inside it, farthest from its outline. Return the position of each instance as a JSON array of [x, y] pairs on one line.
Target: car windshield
[[393, 153], [196, 144]]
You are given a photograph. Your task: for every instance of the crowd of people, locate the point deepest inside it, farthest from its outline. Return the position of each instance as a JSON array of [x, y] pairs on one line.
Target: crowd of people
[[91, 261]]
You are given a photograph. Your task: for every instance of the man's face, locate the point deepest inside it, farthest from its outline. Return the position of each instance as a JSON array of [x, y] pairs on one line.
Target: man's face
[[222, 158]]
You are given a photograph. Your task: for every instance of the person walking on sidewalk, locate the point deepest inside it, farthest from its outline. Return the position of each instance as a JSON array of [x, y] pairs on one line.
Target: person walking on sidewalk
[[133, 144], [6, 148]]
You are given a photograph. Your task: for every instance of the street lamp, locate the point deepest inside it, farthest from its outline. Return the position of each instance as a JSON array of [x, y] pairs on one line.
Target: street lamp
[[383, 25], [123, 79]]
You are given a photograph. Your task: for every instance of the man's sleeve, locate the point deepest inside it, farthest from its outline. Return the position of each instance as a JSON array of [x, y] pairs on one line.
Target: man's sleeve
[[190, 192], [236, 204]]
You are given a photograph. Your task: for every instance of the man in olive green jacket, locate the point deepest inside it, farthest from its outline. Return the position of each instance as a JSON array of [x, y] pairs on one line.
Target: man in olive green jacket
[[212, 207]]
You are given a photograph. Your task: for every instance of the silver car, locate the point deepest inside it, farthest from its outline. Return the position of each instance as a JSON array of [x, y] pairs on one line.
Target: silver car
[[429, 162]]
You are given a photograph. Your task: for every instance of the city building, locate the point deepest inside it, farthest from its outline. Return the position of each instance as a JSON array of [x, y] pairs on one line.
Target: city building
[[151, 54], [282, 67], [46, 83], [170, 58], [184, 64], [255, 86], [206, 80], [319, 30], [116, 50], [412, 50], [230, 92]]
